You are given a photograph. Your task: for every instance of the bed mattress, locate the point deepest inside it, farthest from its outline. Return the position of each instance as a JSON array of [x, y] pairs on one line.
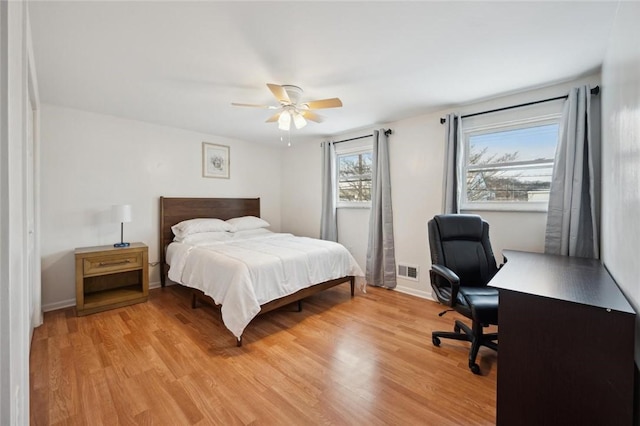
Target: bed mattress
[[241, 272]]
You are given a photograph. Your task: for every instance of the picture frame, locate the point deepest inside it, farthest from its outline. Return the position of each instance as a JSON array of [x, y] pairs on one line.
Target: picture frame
[[215, 160]]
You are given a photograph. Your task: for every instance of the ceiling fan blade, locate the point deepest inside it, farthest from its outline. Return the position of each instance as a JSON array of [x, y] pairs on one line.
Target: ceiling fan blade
[[309, 115], [279, 93], [254, 105], [324, 103], [273, 118]]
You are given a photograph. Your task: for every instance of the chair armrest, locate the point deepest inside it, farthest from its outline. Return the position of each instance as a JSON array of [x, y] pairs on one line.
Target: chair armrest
[[451, 278]]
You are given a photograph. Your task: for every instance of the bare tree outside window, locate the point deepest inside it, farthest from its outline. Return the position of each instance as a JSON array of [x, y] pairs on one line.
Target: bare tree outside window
[[511, 166], [487, 183], [354, 177]]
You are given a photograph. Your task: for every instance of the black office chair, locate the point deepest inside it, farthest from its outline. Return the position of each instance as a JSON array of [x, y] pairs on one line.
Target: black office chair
[[462, 265]]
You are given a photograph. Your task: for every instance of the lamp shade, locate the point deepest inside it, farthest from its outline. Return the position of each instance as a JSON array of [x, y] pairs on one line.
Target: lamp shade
[[284, 122], [121, 213], [299, 121]]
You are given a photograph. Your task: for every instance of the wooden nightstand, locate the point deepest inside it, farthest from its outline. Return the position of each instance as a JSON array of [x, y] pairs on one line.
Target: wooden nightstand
[[108, 277]]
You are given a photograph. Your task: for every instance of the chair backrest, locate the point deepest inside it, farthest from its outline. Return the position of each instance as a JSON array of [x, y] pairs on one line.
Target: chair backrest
[[461, 243]]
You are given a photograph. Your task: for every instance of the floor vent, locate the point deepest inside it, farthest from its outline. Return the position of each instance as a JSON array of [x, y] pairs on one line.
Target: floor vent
[[409, 272]]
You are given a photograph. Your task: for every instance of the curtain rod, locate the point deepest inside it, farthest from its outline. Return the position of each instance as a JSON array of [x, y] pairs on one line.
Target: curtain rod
[[386, 132], [594, 91]]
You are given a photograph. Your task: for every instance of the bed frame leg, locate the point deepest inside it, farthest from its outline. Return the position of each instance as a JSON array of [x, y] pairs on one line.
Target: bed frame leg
[[194, 300], [300, 305], [352, 281], [239, 341]]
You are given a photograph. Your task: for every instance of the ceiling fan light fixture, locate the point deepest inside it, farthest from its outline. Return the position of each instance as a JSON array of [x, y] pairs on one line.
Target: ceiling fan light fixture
[[299, 121], [284, 122], [290, 108]]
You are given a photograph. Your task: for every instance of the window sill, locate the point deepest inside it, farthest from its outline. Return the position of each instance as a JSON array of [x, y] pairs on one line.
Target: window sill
[[515, 208], [354, 206]]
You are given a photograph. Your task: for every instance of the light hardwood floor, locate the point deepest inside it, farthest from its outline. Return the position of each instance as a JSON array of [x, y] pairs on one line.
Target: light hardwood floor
[[362, 361]]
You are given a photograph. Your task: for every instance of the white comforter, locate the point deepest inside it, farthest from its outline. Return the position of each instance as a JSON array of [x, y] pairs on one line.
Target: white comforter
[[242, 273]]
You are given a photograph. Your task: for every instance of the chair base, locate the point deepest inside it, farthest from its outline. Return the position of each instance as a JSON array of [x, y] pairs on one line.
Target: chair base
[[473, 334]]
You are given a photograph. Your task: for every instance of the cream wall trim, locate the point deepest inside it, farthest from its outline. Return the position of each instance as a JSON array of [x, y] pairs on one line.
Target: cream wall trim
[[5, 303], [414, 292], [62, 304], [68, 303], [15, 302], [35, 293]]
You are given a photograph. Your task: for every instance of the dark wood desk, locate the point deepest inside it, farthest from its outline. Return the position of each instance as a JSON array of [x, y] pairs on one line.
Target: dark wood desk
[[566, 343]]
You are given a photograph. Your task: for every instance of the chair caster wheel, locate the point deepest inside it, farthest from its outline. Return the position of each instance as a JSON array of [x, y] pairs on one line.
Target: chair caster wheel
[[435, 340], [456, 328], [475, 368]]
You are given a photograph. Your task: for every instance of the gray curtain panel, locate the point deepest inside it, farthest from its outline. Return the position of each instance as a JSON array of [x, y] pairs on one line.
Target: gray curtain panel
[[574, 201], [451, 182], [381, 260], [329, 220]]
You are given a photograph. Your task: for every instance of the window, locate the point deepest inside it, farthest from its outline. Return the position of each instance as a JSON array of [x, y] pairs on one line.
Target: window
[[509, 166], [354, 178]]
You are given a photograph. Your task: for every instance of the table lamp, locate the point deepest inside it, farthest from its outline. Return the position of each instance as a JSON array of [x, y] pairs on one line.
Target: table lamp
[[121, 213]]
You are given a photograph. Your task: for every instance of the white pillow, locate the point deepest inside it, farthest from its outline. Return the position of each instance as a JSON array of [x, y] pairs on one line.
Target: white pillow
[[205, 238], [195, 226], [247, 222]]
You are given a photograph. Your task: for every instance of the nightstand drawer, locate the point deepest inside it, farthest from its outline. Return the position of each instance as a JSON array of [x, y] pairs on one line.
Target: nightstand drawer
[[112, 263]]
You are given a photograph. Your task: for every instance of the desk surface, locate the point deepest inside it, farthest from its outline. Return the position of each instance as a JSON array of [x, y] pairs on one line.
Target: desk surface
[[572, 279]]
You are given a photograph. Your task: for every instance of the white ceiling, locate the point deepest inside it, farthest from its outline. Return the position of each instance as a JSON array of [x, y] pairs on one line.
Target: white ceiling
[[181, 63]]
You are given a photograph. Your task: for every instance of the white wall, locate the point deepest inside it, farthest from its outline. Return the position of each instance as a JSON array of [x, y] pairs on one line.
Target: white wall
[[417, 159], [301, 189], [92, 161], [621, 156]]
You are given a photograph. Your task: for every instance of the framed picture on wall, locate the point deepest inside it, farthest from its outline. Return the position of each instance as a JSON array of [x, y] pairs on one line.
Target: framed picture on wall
[[215, 160]]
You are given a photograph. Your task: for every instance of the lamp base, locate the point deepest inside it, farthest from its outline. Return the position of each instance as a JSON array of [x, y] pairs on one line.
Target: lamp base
[[121, 245]]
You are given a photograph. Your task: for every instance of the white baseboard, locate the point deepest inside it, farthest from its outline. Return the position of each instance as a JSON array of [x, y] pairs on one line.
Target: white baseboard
[[59, 305], [412, 291], [72, 302], [158, 284]]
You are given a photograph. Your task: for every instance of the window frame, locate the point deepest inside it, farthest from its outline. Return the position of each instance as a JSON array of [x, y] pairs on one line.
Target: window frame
[[495, 127], [343, 152]]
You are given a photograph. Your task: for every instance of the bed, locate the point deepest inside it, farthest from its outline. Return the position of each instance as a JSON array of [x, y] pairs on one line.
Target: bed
[[228, 279]]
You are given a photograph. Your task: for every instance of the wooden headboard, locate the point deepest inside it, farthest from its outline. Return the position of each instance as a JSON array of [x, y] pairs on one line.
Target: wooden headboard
[[175, 210]]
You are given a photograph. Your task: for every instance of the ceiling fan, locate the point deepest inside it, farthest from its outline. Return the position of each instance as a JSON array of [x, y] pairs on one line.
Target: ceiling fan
[[291, 109]]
